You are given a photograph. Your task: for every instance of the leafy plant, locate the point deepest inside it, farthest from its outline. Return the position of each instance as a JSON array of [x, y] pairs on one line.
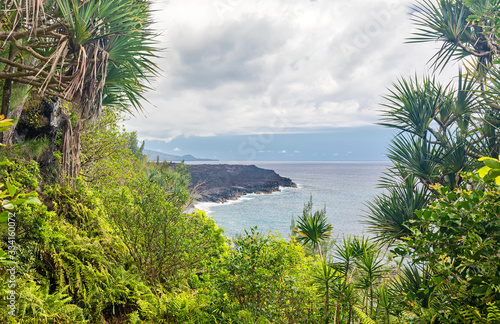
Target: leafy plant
[[457, 238], [313, 228]]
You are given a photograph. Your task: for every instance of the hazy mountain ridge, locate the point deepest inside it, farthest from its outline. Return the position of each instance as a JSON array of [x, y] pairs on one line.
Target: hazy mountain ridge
[[153, 155]]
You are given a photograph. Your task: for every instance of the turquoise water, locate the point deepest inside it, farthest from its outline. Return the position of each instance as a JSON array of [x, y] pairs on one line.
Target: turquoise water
[[343, 187]]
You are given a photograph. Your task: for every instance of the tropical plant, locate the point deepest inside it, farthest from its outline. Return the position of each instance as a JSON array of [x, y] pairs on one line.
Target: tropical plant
[[313, 228], [390, 211], [371, 270], [456, 237], [385, 302], [344, 258], [167, 244], [267, 276], [90, 53], [325, 277], [442, 129]]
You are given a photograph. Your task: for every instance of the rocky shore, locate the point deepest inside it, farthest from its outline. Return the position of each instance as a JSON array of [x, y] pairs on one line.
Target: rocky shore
[[222, 182]]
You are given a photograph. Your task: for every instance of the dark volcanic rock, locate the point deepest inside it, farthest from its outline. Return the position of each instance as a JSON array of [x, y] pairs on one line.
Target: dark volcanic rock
[[220, 182]]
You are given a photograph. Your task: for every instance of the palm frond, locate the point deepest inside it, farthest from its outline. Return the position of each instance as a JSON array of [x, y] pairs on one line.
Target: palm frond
[[412, 105], [444, 22], [390, 212], [418, 156]]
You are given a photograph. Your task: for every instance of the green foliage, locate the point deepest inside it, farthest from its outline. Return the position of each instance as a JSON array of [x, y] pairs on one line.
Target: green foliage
[[313, 228], [101, 53], [472, 315], [267, 276], [457, 238], [325, 277], [391, 211], [13, 198], [5, 123], [166, 243], [106, 158], [491, 170], [365, 319], [443, 218], [136, 150], [36, 303]]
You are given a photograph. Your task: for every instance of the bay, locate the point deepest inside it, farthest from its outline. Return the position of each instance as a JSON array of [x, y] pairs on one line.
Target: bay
[[343, 187]]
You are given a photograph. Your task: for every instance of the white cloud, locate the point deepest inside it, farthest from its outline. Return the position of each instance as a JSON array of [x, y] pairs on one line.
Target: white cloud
[[254, 66]]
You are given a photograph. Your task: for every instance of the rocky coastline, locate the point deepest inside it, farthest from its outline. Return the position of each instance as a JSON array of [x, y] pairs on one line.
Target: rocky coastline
[[223, 182]]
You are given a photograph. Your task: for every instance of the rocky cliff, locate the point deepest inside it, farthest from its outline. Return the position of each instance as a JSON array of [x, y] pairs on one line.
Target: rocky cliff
[[220, 182]]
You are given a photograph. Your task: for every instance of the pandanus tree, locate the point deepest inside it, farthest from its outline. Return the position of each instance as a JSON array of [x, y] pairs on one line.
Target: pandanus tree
[[88, 53], [441, 129], [313, 228]]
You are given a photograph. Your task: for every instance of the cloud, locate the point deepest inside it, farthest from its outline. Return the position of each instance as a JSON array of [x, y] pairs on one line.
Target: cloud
[[275, 66]]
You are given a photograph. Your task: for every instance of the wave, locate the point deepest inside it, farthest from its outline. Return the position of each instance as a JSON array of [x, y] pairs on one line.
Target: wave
[[207, 206]]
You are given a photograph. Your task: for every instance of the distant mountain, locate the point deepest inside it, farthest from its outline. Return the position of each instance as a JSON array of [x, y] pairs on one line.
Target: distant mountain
[[153, 155]]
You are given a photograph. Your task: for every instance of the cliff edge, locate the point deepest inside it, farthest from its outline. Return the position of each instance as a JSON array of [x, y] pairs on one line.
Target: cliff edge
[[221, 182]]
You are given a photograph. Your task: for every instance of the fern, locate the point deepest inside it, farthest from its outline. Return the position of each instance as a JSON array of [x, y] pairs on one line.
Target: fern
[[365, 319], [472, 315], [184, 307], [35, 303], [493, 313]]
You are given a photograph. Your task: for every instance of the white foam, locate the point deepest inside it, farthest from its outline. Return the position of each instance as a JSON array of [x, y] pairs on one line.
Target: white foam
[[289, 188], [206, 206]]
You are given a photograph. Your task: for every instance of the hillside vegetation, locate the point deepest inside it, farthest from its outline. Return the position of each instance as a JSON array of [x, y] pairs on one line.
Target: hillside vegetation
[[91, 232]]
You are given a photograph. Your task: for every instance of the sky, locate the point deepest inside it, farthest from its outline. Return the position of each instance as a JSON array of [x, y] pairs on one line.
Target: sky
[[277, 79]]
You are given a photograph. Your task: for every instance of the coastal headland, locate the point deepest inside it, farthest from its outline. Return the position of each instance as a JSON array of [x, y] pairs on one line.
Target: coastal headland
[[222, 182]]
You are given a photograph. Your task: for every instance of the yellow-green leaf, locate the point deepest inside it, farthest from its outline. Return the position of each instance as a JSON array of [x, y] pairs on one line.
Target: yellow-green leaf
[[492, 163], [483, 171]]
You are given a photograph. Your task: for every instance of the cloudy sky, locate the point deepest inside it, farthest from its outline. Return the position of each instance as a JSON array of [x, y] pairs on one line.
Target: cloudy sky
[[252, 77]]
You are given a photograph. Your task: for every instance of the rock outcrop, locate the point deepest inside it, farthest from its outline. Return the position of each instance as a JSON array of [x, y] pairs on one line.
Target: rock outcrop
[[221, 182]]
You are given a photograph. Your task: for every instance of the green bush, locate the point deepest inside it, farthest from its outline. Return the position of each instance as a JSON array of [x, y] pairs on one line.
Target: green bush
[[266, 276]]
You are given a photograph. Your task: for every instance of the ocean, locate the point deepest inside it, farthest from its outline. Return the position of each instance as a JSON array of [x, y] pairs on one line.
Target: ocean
[[343, 187]]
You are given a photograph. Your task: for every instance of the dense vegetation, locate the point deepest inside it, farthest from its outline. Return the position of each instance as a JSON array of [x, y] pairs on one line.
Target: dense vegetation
[[93, 233]]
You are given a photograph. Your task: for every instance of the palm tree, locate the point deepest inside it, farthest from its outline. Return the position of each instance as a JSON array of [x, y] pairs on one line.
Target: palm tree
[[439, 136], [385, 301], [464, 28], [370, 265], [88, 53], [325, 278], [345, 255], [442, 129], [313, 228]]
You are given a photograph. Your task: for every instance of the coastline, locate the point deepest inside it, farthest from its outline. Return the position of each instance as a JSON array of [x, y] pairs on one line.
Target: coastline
[[206, 205], [225, 182]]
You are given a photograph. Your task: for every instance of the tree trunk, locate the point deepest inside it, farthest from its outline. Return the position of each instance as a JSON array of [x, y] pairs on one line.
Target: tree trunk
[[6, 94], [371, 300], [7, 86], [7, 90], [9, 134], [327, 303], [76, 150]]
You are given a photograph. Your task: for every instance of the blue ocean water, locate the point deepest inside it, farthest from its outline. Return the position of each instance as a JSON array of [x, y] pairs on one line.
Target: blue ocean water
[[343, 187]]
